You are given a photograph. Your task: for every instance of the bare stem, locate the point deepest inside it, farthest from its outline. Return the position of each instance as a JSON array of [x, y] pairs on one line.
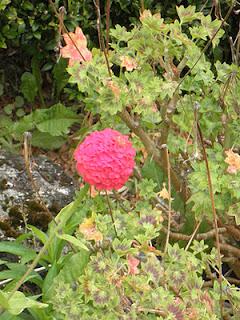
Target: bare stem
[[193, 235], [215, 219], [27, 159], [142, 5], [108, 6], [100, 36], [111, 213], [200, 236], [169, 199]]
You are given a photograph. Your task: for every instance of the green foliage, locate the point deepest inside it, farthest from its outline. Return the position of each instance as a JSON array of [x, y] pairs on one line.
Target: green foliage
[[108, 259], [49, 127], [18, 302]]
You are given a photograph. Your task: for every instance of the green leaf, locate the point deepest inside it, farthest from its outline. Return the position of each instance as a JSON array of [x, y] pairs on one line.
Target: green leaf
[[73, 240], [20, 113], [46, 141], [14, 271], [212, 27], [152, 171], [55, 120], [8, 109], [3, 4], [48, 281], [146, 188], [19, 101], [18, 249], [29, 87], [188, 14], [7, 316], [24, 124], [38, 233], [73, 267], [18, 302]]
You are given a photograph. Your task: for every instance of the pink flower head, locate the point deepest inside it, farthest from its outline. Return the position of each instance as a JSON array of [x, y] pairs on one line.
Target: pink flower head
[[105, 159], [76, 47]]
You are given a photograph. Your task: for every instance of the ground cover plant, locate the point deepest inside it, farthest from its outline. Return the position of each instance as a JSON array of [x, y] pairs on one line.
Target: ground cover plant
[[153, 232]]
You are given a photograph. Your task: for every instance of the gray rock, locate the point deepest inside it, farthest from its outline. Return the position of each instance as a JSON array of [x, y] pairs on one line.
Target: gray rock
[[19, 203]]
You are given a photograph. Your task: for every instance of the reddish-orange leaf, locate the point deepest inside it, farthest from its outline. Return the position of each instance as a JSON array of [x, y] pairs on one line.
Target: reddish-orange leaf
[[76, 47]]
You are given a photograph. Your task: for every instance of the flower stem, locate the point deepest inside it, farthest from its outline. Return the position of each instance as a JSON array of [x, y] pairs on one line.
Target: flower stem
[[111, 213]]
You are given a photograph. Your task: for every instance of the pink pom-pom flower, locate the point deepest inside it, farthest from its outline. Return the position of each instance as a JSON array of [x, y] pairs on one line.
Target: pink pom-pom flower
[[105, 159]]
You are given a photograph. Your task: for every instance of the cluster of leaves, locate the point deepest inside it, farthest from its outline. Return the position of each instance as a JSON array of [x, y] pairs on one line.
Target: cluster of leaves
[[49, 127], [106, 276]]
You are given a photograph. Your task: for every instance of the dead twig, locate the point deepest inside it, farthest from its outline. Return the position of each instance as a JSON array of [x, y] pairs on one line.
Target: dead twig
[[169, 199], [230, 249], [27, 160], [215, 218], [200, 236], [100, 36], [193, 235], [108, 7]]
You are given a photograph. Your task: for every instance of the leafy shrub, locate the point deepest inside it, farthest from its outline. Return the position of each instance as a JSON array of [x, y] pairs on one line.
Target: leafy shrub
[[111, 258]]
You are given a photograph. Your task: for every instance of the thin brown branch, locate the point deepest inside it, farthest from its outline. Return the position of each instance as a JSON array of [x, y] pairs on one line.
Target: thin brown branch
[[198, 237], [193, 236], [28, 166], [108, 7], [228, 248], [169, 199], [154, 152], [111, 214], [100, 36], [142, 6], [215, 218]]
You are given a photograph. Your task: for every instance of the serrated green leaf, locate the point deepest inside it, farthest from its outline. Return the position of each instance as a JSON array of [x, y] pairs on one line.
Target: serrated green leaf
[[188, 14], [55, 120]]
